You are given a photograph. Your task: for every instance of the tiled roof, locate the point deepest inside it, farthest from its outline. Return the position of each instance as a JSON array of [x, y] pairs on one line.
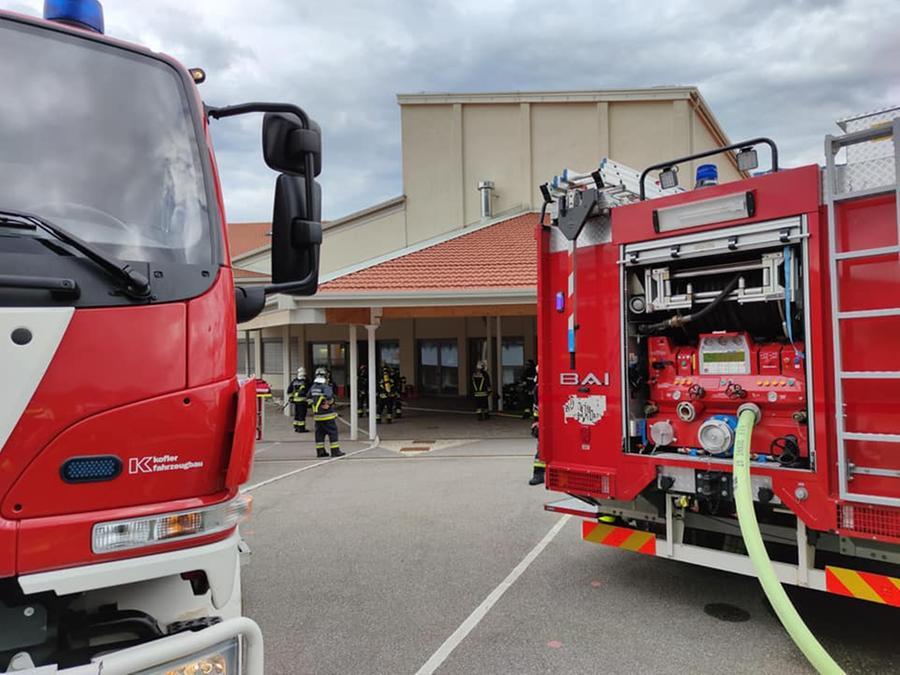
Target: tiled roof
[[246, 237], [501, 255], [240, 273]]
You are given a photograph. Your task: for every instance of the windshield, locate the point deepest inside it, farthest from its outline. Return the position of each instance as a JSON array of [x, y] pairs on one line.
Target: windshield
[[101, 141]]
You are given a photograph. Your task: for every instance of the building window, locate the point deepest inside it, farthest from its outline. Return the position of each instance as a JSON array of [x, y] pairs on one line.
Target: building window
[[295, 355], [272, 350], [242, 357], [332, 355], [388, 352], [438, 366], [512, 359]]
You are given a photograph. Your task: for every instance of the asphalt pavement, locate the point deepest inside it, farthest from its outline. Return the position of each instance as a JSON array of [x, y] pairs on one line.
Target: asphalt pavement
[[437, 551]]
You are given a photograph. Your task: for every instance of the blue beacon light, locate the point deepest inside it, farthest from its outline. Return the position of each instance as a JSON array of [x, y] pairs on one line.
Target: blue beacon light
[[79, 13]]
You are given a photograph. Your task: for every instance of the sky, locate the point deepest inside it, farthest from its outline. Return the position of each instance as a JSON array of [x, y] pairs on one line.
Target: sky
[[784, 69]]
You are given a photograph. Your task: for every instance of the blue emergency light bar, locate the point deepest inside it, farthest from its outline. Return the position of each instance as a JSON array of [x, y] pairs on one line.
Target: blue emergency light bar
[[80, 13]]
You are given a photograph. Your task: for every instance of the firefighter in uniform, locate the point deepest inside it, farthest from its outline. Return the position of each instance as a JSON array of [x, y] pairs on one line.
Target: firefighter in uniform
[[385, 396], [297, 392], [322, 397], [481, 388], [538, 468], [362, 390], [399, 382], [529, 382]]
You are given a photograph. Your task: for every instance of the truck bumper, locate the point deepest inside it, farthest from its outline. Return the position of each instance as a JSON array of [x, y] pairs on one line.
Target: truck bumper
[[219, 560], [239, 637], [841, 581]]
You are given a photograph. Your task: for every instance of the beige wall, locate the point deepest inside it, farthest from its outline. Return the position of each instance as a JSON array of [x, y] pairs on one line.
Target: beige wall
[[351, 243], [432, 169], [493, 150], [449, 146]]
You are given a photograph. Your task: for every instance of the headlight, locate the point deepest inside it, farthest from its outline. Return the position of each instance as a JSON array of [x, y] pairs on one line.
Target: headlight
[[118, 535], [222, 659]]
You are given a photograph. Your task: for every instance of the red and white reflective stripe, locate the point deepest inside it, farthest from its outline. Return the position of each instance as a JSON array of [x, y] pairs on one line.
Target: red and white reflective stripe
[[25, 356]]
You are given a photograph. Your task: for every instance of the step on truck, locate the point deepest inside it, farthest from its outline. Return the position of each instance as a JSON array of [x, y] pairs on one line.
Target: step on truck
[[125, 433], [665, 313]]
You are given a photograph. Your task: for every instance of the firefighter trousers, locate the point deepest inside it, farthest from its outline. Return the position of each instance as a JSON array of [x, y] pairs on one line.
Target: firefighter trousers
[[385, 409], [481, 405], [300, 408], [327, 428], [362, 402]]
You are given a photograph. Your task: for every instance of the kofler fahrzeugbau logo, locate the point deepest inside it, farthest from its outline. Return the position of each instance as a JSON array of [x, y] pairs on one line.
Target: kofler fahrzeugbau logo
[[161, 463]]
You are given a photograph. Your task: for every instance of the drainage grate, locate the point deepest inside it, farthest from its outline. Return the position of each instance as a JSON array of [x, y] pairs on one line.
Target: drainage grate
[[725, 612]]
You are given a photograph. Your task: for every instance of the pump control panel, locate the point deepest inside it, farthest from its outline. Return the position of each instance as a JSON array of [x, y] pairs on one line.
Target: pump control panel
[[724, 354], [696, 393]]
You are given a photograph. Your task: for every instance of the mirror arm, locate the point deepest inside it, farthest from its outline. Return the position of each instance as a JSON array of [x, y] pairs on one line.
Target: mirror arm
[[268, 107], [257, 107], [293, 285], [249, 302]]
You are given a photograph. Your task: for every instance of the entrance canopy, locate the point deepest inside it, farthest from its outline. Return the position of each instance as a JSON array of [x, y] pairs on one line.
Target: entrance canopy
[[487, 271]]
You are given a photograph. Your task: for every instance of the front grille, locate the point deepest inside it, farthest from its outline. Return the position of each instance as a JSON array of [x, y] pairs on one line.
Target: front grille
[[881, 521], [579, 481]]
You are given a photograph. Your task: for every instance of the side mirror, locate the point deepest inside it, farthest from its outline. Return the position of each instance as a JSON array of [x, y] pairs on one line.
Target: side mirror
[[287, 146], [296, 235]]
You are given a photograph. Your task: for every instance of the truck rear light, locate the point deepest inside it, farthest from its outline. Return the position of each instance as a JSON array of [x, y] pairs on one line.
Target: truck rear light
[[579, 481], [879, 521], [118, 535]]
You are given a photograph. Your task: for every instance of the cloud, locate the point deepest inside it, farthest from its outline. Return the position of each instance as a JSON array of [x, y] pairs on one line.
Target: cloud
[[786, 70]]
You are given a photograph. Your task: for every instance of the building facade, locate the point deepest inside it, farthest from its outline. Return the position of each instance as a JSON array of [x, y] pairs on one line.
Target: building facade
[[444, 275]]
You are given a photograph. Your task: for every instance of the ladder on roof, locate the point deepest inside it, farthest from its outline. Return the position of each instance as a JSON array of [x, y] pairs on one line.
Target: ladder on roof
[[870, 177], [619, 184]]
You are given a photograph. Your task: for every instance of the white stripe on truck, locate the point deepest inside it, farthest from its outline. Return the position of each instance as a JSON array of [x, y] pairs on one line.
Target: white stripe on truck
[[22, 366]]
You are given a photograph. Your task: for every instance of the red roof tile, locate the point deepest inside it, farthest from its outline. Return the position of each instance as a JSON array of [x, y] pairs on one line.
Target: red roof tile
[[246, 237], [502, 255], [240, 273]]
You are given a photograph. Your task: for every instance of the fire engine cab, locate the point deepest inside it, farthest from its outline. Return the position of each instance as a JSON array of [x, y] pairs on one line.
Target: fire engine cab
[[665, 313], [125, 433]]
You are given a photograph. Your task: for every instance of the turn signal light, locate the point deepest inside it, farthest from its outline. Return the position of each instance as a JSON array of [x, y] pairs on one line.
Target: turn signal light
[[119, 535]]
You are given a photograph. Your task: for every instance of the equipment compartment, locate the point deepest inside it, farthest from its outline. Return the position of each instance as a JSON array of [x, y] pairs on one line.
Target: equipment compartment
[[714, 324]]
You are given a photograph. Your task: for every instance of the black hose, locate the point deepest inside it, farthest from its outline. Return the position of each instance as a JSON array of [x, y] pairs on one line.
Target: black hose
[[678, 321]]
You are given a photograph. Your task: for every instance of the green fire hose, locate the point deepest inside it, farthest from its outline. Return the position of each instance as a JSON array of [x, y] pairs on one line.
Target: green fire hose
[[790, 619]]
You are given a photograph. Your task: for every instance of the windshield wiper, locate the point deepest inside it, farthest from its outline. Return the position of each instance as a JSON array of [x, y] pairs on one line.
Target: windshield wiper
[[136, 285]]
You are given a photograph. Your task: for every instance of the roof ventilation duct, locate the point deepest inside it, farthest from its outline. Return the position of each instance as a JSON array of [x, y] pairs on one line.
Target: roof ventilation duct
[[486, 188]]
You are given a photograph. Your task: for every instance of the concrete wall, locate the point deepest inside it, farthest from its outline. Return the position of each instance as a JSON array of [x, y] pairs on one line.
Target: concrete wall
[[407, 332], [432, 169], [369, 237], [449, 146], [493, 150]]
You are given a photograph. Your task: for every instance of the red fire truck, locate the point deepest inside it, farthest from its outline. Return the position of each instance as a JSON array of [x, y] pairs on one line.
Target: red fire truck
[[664, 313], [125, 433]]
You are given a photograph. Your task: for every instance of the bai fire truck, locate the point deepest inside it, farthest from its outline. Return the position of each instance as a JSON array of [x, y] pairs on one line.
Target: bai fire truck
[[125, 434], [665, 313]]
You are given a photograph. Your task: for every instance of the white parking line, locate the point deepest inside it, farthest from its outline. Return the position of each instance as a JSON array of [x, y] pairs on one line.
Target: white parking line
[[259, 451], [250, 488], [481, 611]]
